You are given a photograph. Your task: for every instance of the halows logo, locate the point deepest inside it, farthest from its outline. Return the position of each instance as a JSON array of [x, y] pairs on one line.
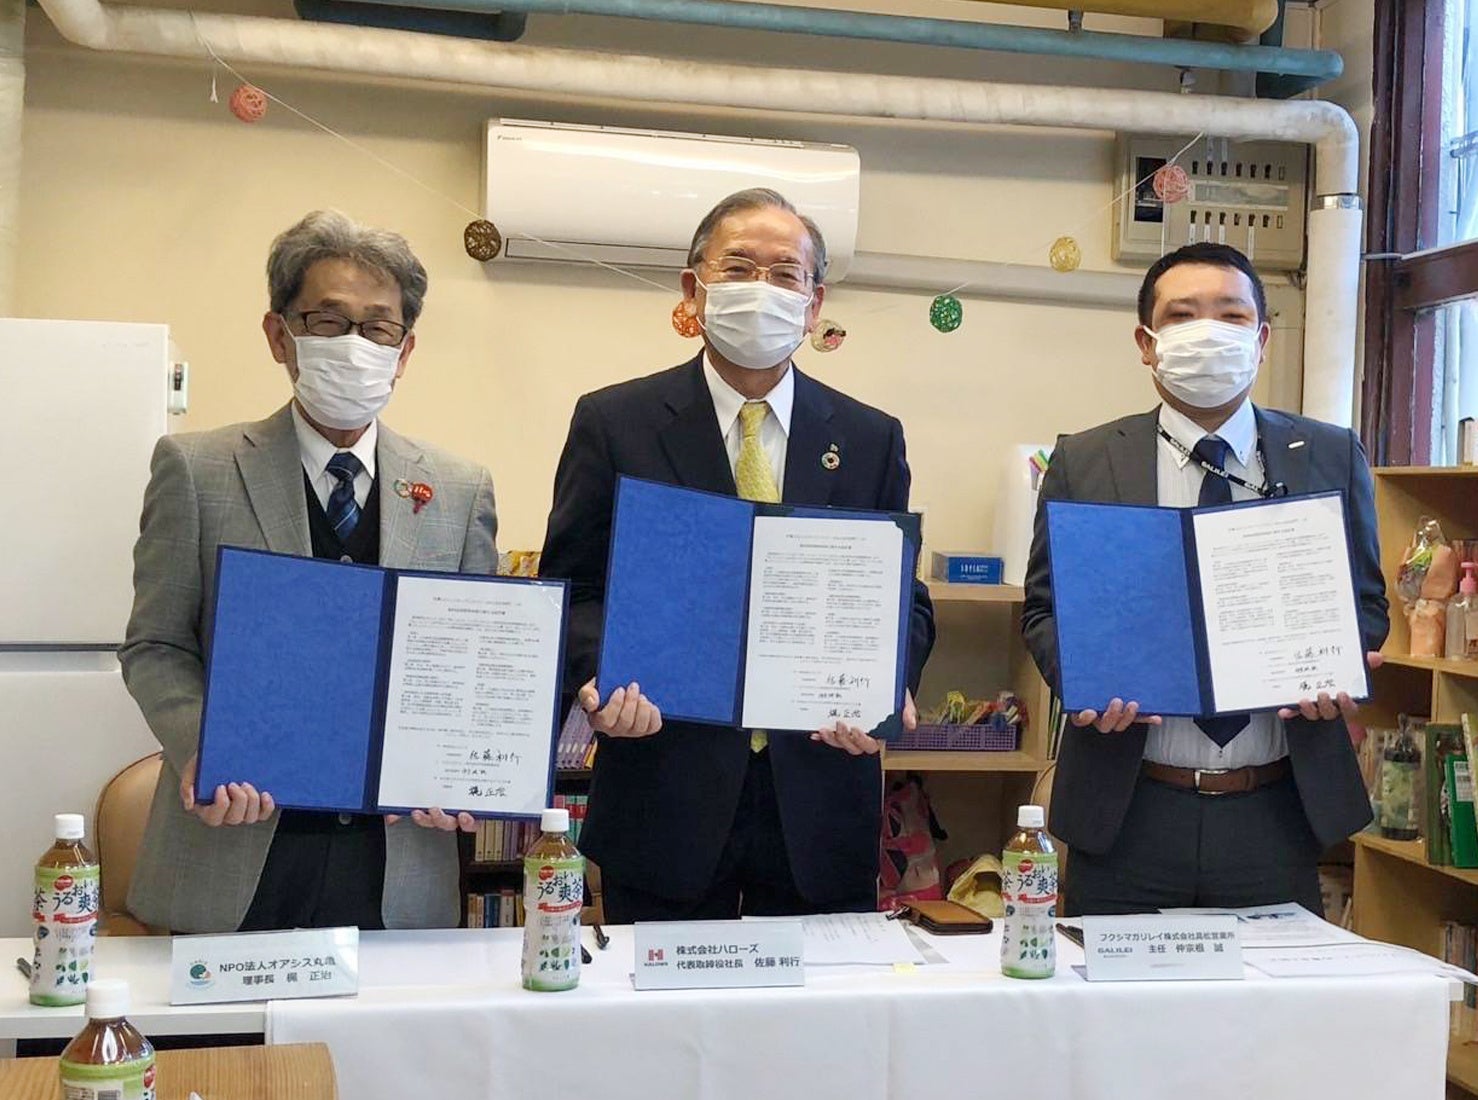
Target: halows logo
[[655, 955], [200, 975]]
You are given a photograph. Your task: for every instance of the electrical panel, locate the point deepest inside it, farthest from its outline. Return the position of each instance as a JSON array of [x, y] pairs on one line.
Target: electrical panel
[[1252, 195]]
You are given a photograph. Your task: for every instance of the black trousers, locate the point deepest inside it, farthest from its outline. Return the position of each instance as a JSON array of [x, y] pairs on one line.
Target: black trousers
[[321, 872], [753, 877], [1178, 848]]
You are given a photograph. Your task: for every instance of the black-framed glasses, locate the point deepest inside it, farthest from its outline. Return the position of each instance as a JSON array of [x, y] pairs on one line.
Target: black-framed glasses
[[377, 330], [741, 269]]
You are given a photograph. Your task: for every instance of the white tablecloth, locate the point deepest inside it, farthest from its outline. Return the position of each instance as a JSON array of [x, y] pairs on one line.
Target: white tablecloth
[[442, 1014]]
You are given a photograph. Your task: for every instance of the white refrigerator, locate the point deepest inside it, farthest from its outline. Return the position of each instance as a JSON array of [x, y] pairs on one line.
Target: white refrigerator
[[81, 406]]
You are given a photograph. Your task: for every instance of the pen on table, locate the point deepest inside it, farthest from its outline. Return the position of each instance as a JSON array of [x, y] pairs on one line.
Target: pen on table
[[585, 957], [602, 941], [24, 967]]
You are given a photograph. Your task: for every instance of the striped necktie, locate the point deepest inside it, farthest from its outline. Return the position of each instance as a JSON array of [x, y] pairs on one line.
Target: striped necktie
[[343, 509], [1217, 490], [754, 477]]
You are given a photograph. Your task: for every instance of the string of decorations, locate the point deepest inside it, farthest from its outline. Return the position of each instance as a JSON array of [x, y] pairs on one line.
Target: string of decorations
[[482, 240]]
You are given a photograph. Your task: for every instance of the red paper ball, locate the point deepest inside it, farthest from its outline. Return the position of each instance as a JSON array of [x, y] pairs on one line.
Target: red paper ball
[[248, 103], [685, 320], [1171, 184]]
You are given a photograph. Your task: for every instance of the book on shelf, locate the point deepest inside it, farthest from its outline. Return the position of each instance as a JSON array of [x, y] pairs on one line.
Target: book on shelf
[[1460, 947], [494, 909], [506, 841], [1442, 741], [575, 749]]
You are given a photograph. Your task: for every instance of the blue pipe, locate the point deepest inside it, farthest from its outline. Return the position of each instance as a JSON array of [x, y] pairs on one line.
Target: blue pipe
[[1305, 68]]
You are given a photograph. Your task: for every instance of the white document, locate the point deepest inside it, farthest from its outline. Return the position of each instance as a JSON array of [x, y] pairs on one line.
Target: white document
[[474, 674], [1281, 622], [1351, 960], [841, 939], [1288, 925], [824, 603]]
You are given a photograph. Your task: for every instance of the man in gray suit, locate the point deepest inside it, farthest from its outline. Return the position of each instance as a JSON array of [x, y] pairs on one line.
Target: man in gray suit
[[1229, 810], [322, 477]]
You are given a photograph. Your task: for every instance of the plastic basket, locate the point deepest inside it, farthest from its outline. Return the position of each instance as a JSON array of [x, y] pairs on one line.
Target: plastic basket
[[985, 737]]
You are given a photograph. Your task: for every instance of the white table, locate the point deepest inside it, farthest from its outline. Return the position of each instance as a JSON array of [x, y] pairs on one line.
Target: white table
[[441, 1014], [143, 962]]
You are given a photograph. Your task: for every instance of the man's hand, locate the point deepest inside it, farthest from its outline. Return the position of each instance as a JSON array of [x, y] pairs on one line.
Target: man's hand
[[234, 803], [1327, 709], [438, 819], [627, 713], [852, 740], [1117, 717]]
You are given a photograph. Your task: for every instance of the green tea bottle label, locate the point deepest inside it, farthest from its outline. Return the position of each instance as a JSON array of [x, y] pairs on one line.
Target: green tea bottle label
[[65, 914], [133, 1080], [1028, 932], [553, 893]]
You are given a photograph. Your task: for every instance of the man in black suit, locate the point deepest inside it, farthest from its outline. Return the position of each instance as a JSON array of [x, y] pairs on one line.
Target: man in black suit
[[1211, 811], [697, 822]]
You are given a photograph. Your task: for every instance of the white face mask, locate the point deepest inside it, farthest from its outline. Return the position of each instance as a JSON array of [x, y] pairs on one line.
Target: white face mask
[[1206, 363], [344, 381], [754, 325]]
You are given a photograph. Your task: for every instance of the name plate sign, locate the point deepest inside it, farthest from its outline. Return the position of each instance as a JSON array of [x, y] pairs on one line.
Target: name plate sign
[[264, 966], [1158, 947], [720, 954]]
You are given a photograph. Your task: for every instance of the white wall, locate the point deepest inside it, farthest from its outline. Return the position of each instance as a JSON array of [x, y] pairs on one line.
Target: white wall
[[143, 200]]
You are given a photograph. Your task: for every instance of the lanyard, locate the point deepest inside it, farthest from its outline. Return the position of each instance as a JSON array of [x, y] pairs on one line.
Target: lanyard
[[1278, 489]]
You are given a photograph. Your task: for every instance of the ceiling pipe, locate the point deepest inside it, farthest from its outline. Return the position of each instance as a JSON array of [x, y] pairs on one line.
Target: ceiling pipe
[[1298, 70], [1329, 364], [1250, 17]]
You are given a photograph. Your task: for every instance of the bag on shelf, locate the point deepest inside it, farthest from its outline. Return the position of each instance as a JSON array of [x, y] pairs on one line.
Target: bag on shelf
[[910, 861], [1425, 581]]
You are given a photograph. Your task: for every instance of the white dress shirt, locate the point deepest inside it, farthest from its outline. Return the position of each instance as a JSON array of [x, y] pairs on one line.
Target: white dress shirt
[[1179, 741], [774, 429], [315, 451]]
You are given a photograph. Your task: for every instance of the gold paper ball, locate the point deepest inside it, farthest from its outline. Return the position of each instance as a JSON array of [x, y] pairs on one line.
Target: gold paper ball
[[482, 240], [1065, 255]]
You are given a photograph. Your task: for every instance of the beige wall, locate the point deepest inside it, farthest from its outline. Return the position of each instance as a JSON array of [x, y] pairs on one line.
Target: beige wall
[[144, 201]]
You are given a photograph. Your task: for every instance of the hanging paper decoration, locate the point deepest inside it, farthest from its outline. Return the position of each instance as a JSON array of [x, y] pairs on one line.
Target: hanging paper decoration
[[1171, 184], [685, 319], [946, 313], [482, 240], [1065, 255], [248, 103], [827, 335]]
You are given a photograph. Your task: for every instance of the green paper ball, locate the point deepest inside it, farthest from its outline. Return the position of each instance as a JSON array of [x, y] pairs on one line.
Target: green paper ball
[[946, 313]]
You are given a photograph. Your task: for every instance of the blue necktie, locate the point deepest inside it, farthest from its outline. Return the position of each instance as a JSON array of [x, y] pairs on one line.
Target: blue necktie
[[343, 509], [1217, 490]]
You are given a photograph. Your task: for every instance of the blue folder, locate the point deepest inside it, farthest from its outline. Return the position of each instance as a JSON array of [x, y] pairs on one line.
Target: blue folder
[[296, 679], [677, 597], [1127, 606]]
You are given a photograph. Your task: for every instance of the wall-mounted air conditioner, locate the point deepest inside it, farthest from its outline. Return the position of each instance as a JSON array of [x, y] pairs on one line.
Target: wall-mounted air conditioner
[[634, 197]]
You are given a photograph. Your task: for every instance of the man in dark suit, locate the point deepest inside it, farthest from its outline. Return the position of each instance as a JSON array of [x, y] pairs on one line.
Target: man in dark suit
[[697, 822], [1212, 811]]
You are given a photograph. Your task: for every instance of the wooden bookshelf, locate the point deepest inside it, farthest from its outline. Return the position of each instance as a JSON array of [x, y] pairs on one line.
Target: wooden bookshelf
[[945, 592], [978, 650], [928, 761], [1462, 1066], [1398, 896]]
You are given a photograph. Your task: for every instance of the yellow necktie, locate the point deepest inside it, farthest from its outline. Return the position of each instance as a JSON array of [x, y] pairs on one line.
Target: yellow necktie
[[755, 480]]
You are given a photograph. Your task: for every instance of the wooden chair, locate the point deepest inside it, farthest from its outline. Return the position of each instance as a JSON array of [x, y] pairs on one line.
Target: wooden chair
[[291, 1072], [122, 812]]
